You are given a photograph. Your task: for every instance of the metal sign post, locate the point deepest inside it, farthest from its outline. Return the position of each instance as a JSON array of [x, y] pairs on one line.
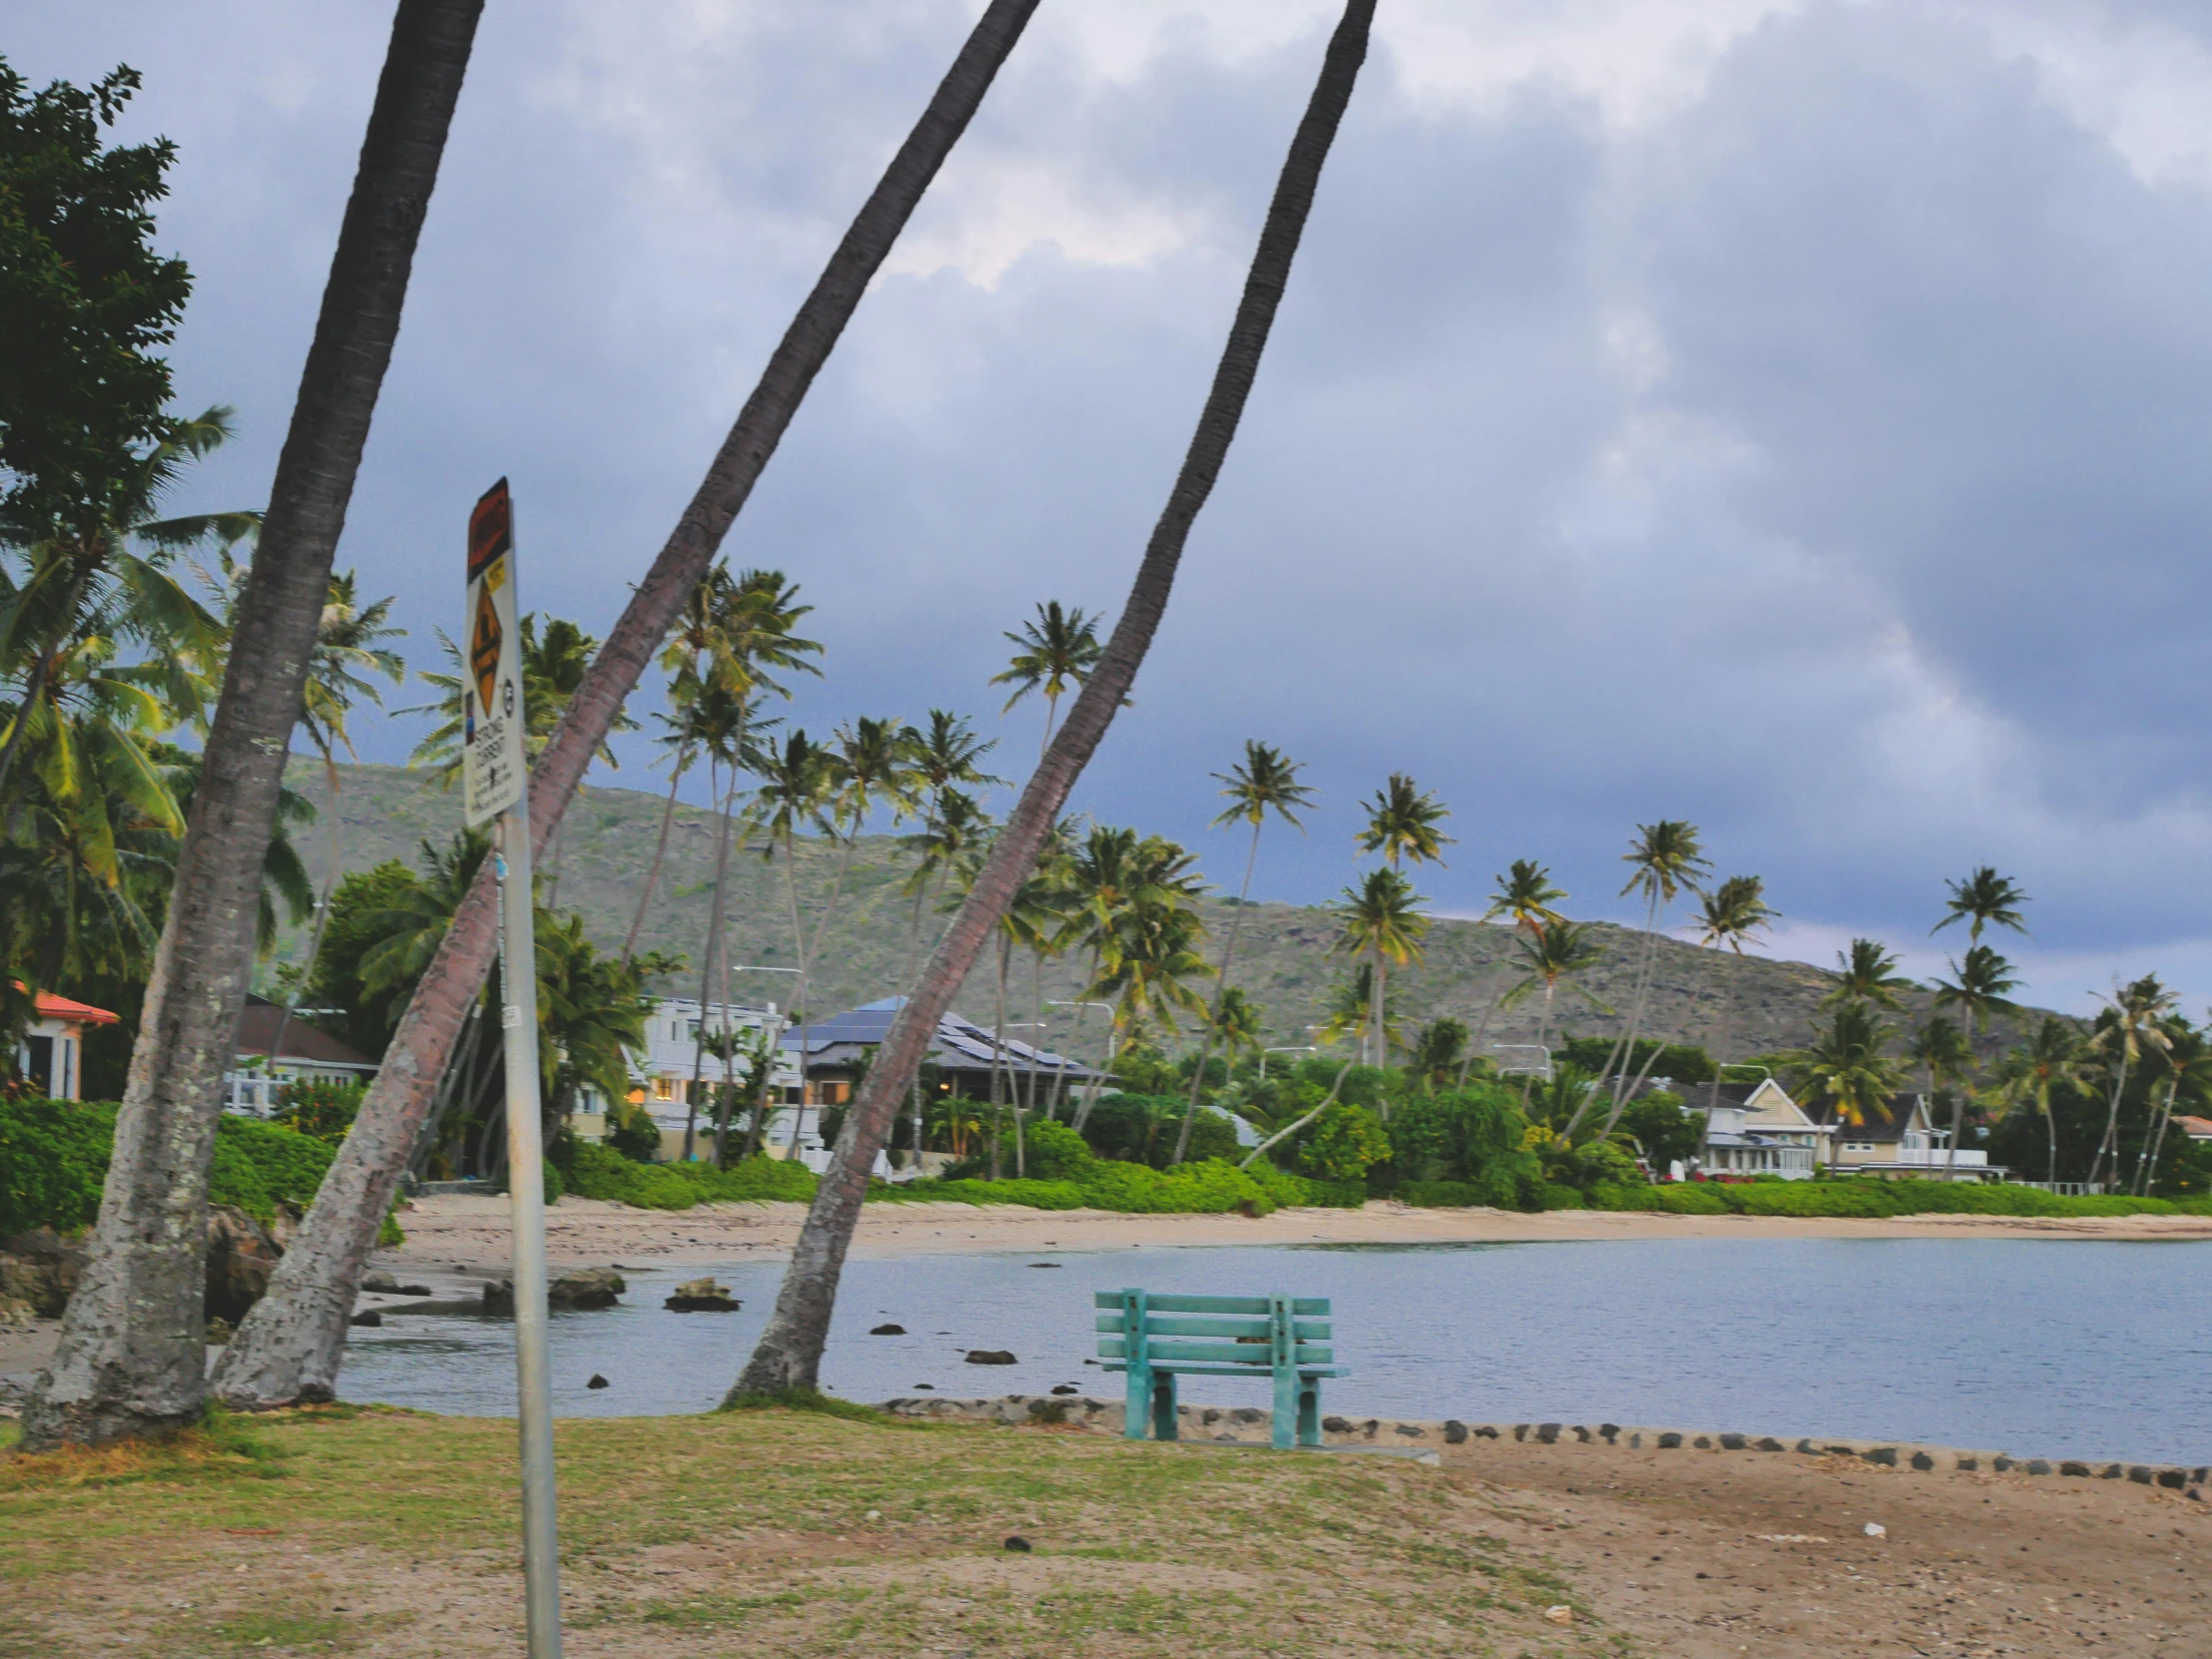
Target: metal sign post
[[496, 777]]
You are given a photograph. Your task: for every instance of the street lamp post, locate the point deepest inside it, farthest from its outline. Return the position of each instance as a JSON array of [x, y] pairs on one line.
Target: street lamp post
[[1105, 1054]]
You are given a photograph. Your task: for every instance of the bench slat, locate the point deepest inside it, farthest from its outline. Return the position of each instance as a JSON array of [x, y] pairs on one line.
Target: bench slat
[[1304, 1330], [1235, 1370], [1249, 1304]]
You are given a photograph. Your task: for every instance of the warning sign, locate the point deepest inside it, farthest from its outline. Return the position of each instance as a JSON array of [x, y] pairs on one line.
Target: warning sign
[[492, 767]]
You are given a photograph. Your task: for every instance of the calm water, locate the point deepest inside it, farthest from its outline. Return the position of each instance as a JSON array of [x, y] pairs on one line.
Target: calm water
[[2040, 1348]]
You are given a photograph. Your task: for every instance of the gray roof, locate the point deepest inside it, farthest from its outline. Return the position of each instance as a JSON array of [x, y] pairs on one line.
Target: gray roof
[[960, 1045], [1885, 1123]]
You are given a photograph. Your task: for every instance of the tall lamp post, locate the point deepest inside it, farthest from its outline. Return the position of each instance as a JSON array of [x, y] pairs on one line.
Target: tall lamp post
[[1104, 1054]]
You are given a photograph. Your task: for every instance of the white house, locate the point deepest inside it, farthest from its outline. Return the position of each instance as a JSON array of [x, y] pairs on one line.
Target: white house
[[1756, 1129], [1899, 1139], [50, 1055], [274, 1050], [660, 1073]]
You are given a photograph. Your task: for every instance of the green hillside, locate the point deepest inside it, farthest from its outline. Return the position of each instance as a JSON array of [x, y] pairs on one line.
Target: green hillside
[[1283, 954]]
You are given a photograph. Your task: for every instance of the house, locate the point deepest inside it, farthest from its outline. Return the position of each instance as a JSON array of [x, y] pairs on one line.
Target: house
[[307, 1053], [963, 1056], [661, 1072], [1758, 1129], [50, 1055], [1899, 1138], [2197, 1129]]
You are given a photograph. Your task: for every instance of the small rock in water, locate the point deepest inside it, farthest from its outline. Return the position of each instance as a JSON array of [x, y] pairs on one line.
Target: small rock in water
[[412, 1290], [1018, 1544], [932, 1386], [1044, 1264], [888, 1331], [991, 1357], [597, 1381], [373, 1316], [1090, 1362], [702, 1296], [1875, 1530], [1066, 1388], [380, 1281]]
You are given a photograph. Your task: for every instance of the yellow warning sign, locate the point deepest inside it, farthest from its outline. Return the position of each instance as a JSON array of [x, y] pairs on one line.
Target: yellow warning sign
[[492, 769]]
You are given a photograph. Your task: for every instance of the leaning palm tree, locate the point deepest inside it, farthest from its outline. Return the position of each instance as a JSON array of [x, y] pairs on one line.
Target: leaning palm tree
[[2030, 1073], [790, 1351], [1264, 782], [2129, 1025], [1666, 857], [1984, 898], [1731, 915], [1868, 973], [129, 1361], [1382, 921], [293, 1341], [1057, 650]]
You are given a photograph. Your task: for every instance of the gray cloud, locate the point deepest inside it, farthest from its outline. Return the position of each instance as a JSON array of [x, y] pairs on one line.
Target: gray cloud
[[1815, 458]]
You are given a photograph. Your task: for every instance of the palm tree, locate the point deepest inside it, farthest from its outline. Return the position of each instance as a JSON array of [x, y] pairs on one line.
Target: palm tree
[[2187, 1060], [2030, 1072], [1553, 958], [714, 723], [1979, 985], [1240, 1023], [1983, 900], [1844, 1065], [1438, 1050], [737, 633], [1382, 921], [1666, 857], [1057, 650], [798, 789], [1265, 782], [120, 1369], [295, 1338], [2129, 1025], [954, 833], [1526, 896], [1868, 973], [1147, 955], [789, 1351], [1109, 872], [1731, 914], [1944, 1050], [1403, 821], [554, 664]]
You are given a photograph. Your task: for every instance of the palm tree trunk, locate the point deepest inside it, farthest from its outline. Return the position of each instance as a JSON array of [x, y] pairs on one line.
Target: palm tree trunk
[[1629, 1033], [660, 853], [722, 799], [999, 1048], [2050, 1127], [291, 1345], [1958, 1126], [1221, 989], [790, 1351], [1328, 1100], [2146, 1167], [323, 905], [799, 944], [2111, 1137], [131, 1358]]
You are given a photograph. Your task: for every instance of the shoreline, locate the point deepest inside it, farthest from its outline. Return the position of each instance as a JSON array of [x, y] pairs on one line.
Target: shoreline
[[465, 1233]]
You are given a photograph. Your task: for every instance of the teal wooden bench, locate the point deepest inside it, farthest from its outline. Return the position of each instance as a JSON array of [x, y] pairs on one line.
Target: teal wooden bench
[[1156, 1339]]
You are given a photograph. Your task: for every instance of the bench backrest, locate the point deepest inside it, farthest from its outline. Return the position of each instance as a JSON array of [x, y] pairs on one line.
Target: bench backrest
[[1263, 1332]]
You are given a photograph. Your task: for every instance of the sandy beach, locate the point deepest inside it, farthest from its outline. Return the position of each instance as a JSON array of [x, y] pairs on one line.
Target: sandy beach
[[465, 1233]]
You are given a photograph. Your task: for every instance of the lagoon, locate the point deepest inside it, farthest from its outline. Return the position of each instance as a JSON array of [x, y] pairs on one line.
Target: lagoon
[[2088, 1349]]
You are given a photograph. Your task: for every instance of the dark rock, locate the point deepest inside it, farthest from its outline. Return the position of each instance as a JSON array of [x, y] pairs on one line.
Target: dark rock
[[2173, 1480], [888, 1331], [1019, 1545], [413, 1289], [1044, 1264], [2037, 1466], [1066, 1388], [2112, 1471], [597, 1381], [1212, 1414], [1886, 1456], [2073, 1469], [1733, 1442], [1090, 1362], [1412, 1431], [991, 1357], [1548, 1432], [702, 1296], [930, 1387], [1768, 1444], [1487, 1433], [1520, 1431], [1336, 1425], [586, 1287], [2138, 1473], [2003, 1465], [1922, 1461], [1455, 1433], [1669, 1441], [1970, 1465], [241, 1257], [378, 1282], [1242, 1413], [368, 1316], [1608, 1431], [1581, 1435]]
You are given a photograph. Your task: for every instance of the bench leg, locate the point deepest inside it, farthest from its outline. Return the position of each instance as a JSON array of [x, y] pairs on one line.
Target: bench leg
[[1282, 1418], [1164, 1423], [1308, 1412], [1136, 1408]]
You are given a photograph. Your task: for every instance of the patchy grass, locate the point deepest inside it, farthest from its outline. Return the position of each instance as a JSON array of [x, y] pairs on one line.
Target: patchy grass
[[767, 1530]]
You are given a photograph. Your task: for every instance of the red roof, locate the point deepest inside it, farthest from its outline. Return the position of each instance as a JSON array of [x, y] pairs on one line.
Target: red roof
[[51, 1007]]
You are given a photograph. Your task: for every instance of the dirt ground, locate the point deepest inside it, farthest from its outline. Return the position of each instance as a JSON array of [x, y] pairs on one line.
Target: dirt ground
[[392, 1535]]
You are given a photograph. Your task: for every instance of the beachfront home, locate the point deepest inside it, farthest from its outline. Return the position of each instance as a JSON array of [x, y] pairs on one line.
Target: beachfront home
[[274, 1049], [1900, 1138], [1756, 1129], [50, 1054], [2197, 1129], [661, 1072]]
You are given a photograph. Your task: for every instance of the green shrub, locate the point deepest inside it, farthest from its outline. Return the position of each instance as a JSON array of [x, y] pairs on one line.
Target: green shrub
[[1286, 1189], [1054, 1152], [1344, 1142], [1034, 1194], [1336, 1195], [1556, 1196], [596, 1171], [555, 1190], [54, 1157], [1443, 1195]]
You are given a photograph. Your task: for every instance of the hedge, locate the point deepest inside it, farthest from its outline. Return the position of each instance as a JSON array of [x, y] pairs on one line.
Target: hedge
[[1876, 1199], [591, 1171], [54, 1158]]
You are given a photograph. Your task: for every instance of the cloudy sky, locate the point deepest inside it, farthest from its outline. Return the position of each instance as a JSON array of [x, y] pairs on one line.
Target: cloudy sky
[[1789, 417]]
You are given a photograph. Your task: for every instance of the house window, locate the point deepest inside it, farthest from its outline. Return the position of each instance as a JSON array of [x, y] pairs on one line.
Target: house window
[[664, 1088]]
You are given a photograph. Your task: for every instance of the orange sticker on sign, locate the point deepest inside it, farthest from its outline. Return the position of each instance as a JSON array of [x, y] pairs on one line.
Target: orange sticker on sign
[[484, 640]]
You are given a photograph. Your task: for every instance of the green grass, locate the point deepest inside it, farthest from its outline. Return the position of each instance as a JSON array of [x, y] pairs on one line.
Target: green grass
[[770, 1531]]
